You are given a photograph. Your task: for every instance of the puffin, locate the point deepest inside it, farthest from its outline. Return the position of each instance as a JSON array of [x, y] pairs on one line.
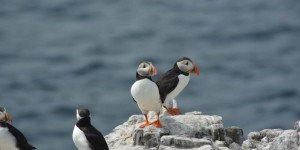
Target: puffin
[[146, 93], [172, 82], [10, 137], [85, 135]]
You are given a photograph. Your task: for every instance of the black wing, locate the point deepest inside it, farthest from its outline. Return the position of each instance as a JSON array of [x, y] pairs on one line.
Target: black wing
[[166, 83], [21, 140], [95, 138]]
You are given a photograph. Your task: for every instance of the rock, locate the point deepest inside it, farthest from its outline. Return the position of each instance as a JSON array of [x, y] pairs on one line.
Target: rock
[[255, 136], [151, 136], [138, 136], [150, 140], [235, 146], [234, 135], [220, 143], [125, 131], [297, 126], [218, 132], [271, 133], [190, 131], [195, 131], [182, 142], [260, 140], [201, 142], [162, 147], [272, 139], [223, 148], [206, 147], [194, 125], [288, 140], [167, 140]]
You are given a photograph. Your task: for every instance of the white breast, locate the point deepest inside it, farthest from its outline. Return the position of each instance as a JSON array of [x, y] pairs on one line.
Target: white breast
[[183, 81], [79, 139], [146, 94], [7, 140]]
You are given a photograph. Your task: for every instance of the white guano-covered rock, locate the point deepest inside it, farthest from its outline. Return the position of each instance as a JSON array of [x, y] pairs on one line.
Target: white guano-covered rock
[[288, 140], [195, 131], [273, 139], [190, 131]]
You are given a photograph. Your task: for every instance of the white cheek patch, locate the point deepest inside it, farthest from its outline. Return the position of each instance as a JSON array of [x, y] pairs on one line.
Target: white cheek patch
[[183, 67], [77, 115], [143, 71], [190, 65]]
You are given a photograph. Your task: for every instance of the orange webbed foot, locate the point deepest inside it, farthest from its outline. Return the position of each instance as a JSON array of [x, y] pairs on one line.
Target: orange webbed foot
[[173, 112], [147, 122], [145, 125], [157, 124]]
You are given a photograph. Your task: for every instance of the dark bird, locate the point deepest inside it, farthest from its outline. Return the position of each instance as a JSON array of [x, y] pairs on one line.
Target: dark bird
[[172, 82], [10, 137], [86, 136], [145, 92]]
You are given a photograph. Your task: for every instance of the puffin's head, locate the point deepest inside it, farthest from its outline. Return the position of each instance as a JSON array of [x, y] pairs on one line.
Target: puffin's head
[[146, 69], [82, 113], [4, 116], [186, 65]]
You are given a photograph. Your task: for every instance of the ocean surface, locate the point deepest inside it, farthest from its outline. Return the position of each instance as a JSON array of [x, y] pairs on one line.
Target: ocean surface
[[58, 55]]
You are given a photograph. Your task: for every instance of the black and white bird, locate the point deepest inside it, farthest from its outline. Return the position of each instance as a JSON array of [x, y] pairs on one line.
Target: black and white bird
[[10, 137], [172, 82], [86, 136], [146, 94]]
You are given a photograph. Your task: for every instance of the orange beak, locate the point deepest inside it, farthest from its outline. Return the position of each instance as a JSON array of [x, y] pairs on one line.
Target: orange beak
[[8, 117], [195, 70], [153, 71]]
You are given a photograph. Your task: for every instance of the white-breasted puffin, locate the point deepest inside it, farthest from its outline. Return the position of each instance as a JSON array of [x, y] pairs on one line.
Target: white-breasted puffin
[[145, 92], [86, 136], [10, 137], [172, 82]]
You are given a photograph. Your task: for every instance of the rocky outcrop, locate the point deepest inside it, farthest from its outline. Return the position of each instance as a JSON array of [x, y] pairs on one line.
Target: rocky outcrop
[[189, 131], [195, 131], [272, 139]]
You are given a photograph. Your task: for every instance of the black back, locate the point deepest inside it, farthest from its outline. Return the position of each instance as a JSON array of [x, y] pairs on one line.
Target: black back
[[22, 143], [95, 138], [168, 81]]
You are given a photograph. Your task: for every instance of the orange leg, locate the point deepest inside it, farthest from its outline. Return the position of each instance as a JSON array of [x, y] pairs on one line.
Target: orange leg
[[145, 124], [157, 123], [173, 112]]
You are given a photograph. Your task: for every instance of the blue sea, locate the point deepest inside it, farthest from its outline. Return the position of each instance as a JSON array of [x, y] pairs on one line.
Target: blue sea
[[58, 55]]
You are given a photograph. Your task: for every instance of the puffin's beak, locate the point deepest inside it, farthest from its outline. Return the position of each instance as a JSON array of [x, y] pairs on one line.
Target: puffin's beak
[[7, 117], [195, 70], [152, 71]]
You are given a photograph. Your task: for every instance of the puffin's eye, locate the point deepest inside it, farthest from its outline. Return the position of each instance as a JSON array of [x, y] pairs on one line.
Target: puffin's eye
[[187, 63], [144, 66]]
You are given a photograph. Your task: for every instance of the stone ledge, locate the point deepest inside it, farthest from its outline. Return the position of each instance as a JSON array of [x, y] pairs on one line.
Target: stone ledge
[[195, 131]]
